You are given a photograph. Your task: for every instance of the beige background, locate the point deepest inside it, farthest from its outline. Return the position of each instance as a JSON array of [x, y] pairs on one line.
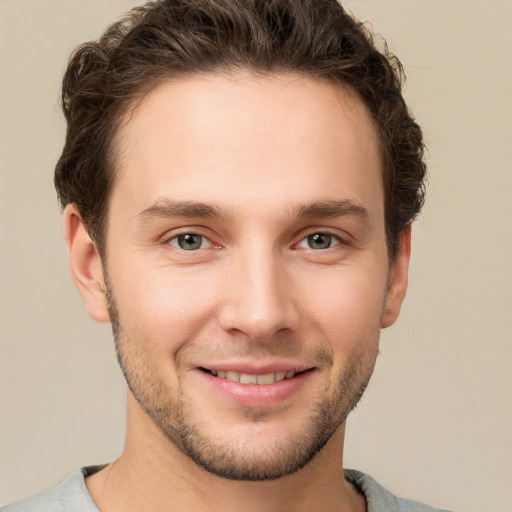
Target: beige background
[[436, 423]]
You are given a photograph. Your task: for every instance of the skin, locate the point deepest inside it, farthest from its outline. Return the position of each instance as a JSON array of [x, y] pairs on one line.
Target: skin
[[275, 160]]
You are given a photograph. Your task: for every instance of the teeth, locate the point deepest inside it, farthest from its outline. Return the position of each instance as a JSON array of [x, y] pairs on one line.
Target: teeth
[[247, 378], [280, 376], [268, 378], [234, 376]]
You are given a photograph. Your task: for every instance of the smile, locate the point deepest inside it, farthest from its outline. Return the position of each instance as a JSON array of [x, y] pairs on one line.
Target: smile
[[248, 378]]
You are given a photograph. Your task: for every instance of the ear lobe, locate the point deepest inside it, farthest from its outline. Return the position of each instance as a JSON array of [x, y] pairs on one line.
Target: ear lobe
[[398, 276], [85, 265]]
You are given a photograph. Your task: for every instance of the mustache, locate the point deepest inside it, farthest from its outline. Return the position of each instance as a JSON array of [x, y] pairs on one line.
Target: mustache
[[279, 347]]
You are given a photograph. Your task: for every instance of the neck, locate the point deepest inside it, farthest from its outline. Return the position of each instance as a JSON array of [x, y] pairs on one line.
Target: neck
[[153, 474]]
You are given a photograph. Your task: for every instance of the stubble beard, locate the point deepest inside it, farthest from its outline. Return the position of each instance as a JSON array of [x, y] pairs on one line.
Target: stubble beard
[[236, 459]]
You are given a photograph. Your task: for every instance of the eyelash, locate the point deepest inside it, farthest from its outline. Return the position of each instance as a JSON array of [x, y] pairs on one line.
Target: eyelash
[[175, 237], [334, 236], [337, 239]]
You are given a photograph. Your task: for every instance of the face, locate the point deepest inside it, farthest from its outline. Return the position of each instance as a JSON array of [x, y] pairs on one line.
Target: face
[[246, 264]]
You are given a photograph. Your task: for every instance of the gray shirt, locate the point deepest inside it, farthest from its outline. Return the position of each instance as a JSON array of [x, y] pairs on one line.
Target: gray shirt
[[72, 496]]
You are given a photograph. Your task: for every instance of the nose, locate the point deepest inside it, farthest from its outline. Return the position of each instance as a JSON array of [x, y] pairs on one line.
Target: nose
[[258, 298]]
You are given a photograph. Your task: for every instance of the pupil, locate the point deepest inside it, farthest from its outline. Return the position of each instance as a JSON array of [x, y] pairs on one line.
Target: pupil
[[319, 241], [189, 241]]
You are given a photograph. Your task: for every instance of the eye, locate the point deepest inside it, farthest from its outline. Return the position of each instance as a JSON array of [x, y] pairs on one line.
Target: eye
[[319, 241], [190, 241]]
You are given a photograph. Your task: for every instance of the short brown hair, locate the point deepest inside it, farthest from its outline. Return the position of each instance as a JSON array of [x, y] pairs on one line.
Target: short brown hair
[[166, 39]]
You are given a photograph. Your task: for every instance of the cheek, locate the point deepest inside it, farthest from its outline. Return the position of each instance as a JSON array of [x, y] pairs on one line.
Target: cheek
[[346, 303], [165, 304]]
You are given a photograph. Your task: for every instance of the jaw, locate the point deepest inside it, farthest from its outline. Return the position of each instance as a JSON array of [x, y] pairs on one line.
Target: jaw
[[162, 467]]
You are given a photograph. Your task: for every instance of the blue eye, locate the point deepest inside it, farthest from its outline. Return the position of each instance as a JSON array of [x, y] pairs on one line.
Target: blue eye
[[189, 241], [319, 241]]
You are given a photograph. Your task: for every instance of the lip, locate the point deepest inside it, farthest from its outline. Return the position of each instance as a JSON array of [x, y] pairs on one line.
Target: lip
[[256, 368], [256, 395]]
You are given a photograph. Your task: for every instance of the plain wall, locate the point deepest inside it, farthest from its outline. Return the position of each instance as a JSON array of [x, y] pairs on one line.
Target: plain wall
[[436, 422]]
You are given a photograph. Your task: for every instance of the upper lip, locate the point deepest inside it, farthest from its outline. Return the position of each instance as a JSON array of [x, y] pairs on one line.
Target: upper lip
[[254, 368]]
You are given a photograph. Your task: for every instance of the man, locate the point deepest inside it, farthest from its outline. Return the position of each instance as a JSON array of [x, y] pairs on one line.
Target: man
[[238, 182]]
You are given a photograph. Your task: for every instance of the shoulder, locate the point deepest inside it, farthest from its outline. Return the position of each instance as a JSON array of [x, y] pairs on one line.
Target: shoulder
[[379, 499], [71, 495]]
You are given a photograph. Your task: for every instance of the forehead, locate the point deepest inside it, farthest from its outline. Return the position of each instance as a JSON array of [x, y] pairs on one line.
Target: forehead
[[241, 139]]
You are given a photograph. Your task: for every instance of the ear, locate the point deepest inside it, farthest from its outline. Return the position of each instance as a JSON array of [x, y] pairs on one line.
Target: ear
[[397, 283], [85, 265]]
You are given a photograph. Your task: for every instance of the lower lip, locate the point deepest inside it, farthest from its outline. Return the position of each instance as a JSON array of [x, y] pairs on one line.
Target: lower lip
[[257, 395]]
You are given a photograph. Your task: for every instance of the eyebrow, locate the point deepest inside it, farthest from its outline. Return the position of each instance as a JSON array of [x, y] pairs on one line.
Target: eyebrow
[[331, 209], [165, 208]]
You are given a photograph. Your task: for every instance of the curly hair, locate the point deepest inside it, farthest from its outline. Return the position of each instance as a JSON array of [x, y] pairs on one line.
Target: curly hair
[[165, 39]]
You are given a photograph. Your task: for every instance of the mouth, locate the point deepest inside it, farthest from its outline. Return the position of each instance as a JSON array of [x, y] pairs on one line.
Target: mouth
[[250, 378], [260, 385]]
